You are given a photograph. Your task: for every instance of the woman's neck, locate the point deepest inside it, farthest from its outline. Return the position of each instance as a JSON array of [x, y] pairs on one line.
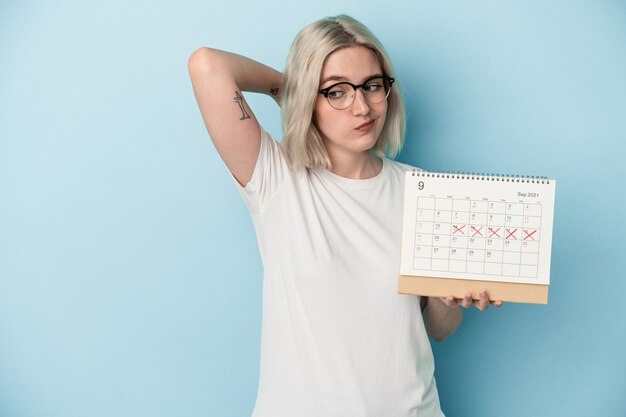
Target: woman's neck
[[358, 167]]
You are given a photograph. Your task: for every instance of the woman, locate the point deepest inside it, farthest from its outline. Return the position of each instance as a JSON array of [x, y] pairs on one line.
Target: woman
[[337, 339]]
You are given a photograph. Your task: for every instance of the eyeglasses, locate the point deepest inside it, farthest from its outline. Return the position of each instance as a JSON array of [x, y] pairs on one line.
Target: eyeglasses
[[341, 95]]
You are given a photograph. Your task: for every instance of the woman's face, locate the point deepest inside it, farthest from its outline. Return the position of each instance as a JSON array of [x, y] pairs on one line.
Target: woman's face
[[356, 128]]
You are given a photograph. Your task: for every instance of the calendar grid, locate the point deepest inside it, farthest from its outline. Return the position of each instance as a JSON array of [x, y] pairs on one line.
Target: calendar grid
[[477, 237]]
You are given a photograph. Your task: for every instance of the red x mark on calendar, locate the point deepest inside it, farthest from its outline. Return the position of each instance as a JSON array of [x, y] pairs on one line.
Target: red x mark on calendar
[[458, 229], [493, 232], [511, 234], [477, 231], [529, 235]]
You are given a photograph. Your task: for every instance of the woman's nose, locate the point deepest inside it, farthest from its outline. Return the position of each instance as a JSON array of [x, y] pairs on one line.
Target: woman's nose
[[360, 106]]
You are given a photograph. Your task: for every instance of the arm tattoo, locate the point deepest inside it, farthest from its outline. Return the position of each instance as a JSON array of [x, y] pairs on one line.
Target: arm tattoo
[[239, 100], [274, 91]]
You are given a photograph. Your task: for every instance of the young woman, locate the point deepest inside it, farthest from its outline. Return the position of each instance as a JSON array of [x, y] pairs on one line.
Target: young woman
[[337, 338]]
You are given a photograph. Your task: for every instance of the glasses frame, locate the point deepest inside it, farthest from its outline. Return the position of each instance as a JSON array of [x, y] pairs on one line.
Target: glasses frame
[[326, 91]]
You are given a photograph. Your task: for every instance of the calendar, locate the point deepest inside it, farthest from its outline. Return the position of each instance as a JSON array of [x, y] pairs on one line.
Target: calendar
[[478, 231]]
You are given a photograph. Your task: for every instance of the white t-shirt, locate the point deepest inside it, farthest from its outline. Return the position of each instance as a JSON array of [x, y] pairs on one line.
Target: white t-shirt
[[337, 339]]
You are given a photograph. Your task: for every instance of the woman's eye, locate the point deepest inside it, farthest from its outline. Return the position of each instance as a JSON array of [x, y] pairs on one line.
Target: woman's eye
[[335, 94], [372, 87]]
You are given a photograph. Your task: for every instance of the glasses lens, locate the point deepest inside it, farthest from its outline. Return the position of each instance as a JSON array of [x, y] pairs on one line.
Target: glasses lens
[[340, 96], [376, 90]]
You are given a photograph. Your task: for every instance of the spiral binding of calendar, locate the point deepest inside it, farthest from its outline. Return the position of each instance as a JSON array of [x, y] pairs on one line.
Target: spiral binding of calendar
[[482, 176]]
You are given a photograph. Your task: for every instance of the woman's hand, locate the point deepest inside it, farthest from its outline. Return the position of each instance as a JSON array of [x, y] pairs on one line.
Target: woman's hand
[[482, 303]]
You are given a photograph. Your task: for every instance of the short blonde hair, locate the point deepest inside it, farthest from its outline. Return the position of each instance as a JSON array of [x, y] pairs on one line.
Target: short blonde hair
[[302, 142]]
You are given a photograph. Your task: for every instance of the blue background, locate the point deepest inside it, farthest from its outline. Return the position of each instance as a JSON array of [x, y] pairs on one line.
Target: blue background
[[130, 283]]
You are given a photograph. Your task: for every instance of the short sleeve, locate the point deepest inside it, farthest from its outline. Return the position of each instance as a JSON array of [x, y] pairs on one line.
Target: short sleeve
[[270, 172]]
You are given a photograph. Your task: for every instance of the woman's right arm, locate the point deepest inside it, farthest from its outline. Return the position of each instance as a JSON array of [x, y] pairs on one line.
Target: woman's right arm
[[218, 79]]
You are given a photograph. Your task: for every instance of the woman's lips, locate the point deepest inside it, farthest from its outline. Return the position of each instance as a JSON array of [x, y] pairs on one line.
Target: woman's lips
[[365, 126]]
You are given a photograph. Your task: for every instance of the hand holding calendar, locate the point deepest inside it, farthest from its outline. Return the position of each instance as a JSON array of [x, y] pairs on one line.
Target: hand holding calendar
[[482, 303]]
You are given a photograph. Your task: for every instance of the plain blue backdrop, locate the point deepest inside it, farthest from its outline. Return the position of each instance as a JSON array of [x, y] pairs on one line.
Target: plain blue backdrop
[[130, 283]]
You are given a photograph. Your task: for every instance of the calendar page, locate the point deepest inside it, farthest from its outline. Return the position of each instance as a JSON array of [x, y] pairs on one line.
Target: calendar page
[[477, 227]]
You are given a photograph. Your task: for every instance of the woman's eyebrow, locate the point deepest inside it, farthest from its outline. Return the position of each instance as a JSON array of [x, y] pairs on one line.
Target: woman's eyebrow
[[340, 78], [333, 78]]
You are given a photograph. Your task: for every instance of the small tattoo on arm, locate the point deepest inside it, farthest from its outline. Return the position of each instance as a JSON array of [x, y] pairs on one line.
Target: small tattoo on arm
[[274, 91], [239, 100]]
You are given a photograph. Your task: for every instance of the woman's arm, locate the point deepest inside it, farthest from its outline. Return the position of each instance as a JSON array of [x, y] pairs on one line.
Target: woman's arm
[[441, 320], [218, 79], [443, 315]]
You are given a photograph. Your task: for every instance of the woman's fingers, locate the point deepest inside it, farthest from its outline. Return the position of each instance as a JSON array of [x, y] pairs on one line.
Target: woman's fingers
[[467, 301], [483, 301], [450, 301]]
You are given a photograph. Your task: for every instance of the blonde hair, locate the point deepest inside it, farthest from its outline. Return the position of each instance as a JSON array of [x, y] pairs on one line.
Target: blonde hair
[[302, 142]]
